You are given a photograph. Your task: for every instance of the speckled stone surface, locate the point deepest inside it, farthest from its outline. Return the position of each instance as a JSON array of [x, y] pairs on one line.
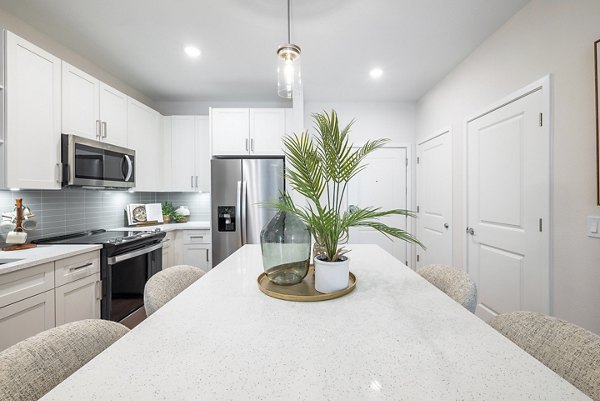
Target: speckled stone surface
[[190, 225], [395, 337], [41, 254]]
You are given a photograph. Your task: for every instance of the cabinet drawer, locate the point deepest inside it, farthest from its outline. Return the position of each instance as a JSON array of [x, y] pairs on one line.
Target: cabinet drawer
[[70, 269], [196, 236], [25, 283]]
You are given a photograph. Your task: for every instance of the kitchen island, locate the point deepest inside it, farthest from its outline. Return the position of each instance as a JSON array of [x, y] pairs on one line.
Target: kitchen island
[[395, 337]]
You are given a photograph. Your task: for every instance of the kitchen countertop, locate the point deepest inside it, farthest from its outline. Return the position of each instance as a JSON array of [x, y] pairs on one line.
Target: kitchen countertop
[[41, 254], [395, 337], [190, 225]]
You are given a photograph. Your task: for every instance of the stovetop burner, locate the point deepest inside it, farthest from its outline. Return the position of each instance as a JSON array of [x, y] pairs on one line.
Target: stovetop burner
[[107, 238]]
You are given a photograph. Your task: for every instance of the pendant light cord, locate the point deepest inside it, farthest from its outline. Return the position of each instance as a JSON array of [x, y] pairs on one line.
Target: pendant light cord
[[289, 22]]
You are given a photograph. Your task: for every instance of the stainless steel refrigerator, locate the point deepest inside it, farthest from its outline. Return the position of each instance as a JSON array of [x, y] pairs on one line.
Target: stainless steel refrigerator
[[238, 187]]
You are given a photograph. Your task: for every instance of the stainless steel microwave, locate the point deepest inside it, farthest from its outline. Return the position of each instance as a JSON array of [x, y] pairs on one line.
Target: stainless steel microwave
[[90, 163]]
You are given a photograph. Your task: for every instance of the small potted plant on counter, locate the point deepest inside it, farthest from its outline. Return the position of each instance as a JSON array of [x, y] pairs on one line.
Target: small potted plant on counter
[[168, 211], [320, 169]]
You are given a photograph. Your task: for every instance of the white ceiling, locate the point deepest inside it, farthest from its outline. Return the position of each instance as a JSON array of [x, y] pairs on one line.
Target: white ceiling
[[415, 42]]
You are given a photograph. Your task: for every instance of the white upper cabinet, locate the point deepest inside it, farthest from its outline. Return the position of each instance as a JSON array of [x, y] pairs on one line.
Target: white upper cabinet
[[267, 126], [237, 132], [190, 158], [91, 108], [144, 135], [80, 95], [113, 115], [33, 116]]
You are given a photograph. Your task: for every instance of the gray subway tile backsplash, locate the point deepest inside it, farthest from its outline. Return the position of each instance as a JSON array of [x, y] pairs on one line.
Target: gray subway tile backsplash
[[70, 210]]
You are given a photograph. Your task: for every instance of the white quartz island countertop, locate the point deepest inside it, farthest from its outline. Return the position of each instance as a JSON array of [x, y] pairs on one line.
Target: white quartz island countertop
[[395, 337], [190, 225], [25, 258]]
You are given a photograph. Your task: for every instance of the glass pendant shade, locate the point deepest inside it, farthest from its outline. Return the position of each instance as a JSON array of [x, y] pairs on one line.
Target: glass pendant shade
[[288, 70]]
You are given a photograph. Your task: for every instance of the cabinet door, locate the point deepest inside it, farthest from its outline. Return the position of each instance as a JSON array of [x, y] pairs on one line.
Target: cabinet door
[[183, 172], [167, 251], [197, 256], [202, 164], [144, 135], [26, 318], [113, 114], [78, 300], [80, 92], [33, 116], [229, 131], [267, 126]]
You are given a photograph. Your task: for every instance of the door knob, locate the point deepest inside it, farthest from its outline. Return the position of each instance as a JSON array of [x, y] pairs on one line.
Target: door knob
[[446, 226]]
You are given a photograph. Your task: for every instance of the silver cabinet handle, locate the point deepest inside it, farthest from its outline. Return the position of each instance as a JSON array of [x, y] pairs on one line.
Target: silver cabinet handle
[[98, 129], [246, 144], [103, 129], [252, 144], [192, 181], [470, 231], [99, 290], [446, 226], [59, 177], [80, 267], [196, 181], [196, 236]]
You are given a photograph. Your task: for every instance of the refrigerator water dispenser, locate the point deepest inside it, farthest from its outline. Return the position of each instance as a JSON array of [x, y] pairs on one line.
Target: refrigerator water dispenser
[[226, 218]]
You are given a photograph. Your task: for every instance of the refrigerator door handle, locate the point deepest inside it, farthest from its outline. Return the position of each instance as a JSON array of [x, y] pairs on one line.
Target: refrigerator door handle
[[244, 219], [238, 210]]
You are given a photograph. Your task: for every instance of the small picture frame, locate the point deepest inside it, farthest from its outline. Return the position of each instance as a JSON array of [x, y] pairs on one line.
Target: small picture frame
[[136, 214]]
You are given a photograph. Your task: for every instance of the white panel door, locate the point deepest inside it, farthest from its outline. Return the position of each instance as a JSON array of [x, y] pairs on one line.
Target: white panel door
[[197, 256], [434, 200], [382, 184], [508, 208], [33, 116], [78, 300], [26, 318], [267, 126], [113, 114], [230, 131], [144, 135], [80, 94], [183, 132]]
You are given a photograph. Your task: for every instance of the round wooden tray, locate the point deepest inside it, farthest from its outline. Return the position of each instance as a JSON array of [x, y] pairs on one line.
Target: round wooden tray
[[302, 292]]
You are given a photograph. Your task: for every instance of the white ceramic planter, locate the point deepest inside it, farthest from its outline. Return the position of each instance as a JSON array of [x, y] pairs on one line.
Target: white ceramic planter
[[331, 276]]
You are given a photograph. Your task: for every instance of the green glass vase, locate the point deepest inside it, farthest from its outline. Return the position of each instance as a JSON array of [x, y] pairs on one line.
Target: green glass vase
[[285, 245]]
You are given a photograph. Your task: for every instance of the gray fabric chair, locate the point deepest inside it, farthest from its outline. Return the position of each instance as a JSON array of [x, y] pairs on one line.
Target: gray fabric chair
[[571, 351], [31, 368], [166, 284], [455, 283]]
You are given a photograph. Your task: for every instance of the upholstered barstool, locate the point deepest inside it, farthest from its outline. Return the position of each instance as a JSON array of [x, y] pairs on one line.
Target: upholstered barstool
[[455, 283], [31, 368], [571, 351], [166, 284]]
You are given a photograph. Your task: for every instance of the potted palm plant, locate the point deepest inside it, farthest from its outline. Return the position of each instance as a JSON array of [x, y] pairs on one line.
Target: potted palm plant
[[320, 168]]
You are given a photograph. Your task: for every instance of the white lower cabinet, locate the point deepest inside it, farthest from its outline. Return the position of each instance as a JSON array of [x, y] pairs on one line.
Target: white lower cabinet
[[26, 318], [78, 300], [191, 247], [167, 250], [40, 297]]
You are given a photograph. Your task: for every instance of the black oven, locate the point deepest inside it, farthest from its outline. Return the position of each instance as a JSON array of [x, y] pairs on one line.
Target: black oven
[[127, 260], [125, 275], [90, 163]]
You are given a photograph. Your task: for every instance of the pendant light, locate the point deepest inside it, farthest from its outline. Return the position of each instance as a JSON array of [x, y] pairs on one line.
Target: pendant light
[[288, 68]]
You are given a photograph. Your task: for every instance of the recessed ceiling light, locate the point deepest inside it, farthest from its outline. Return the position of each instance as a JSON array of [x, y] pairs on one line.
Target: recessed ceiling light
[[192, 51], [376, 73]]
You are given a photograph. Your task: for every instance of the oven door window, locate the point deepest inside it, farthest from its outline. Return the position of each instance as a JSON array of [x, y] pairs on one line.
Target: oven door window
[[128, 280]]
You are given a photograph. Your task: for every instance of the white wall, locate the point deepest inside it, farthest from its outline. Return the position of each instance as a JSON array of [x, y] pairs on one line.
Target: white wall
[[546, 37], [26, 31], [393, 120]]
